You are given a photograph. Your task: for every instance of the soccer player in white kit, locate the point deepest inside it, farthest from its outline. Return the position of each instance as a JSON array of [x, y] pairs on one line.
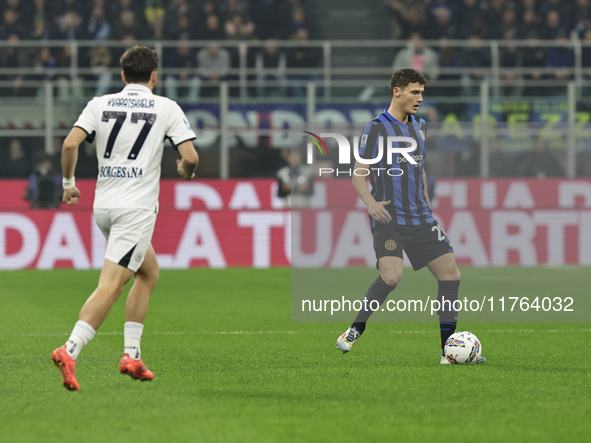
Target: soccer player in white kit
[[130, 129]]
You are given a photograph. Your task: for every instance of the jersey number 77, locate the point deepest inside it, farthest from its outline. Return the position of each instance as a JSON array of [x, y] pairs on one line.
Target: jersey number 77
[[119, 118]]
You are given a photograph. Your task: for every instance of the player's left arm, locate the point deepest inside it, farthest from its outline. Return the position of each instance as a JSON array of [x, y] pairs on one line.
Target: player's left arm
[[187, 166], [69, 160], [425, 188]]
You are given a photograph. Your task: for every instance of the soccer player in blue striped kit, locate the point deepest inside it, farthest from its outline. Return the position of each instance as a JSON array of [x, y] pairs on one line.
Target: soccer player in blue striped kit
[[400, 211]]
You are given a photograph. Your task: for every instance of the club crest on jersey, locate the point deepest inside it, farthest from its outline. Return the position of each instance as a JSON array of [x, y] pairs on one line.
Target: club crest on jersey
[[422, 134], [390, 245]]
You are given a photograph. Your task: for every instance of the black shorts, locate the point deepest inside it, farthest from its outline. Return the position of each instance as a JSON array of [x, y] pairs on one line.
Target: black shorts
[[421, 243]]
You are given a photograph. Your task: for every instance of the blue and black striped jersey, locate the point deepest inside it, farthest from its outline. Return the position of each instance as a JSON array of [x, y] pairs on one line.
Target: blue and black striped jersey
[[406, 191]]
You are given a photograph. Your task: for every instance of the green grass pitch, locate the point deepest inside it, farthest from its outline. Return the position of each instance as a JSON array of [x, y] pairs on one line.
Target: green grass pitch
[[230, 366]]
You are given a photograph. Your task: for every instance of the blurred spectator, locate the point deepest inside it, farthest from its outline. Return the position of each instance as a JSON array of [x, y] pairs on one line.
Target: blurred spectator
[[511, 57], [450, 5], [509, 23], [298, 20], [560, 56], [183, 29], [563, 9], [533, 56], [176, 9], [505, 20], [17, 165], [20, 7], [553, 25], [270, 19], [41, 10], [449, 58], [586, 62], [471, 18], [414, 21], [184, 60], [237, 29], [442, 25], [157, 28], [475, 56], [70, 26], [40, 30], [62, 7], [213, 30], [539, 163], [115, 7], [214, 65], [67, 87], [531, 5], [407, 16], [418, 57], [45, 65], [45, 184], [209, 8], [228, 8], [494, 16], [295, 181], [500, 164], [153, 10], [98, 26], [271, 64], [128, 25], [13, 56], [530, 24], [584, 21], [100, 62], [10, 25], [303, 57]]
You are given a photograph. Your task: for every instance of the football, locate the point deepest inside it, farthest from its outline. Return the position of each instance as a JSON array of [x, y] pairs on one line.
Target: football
[[462, 348]]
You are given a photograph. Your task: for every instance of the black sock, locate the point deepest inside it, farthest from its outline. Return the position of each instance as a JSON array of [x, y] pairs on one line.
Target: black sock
[[378, 291], [448, 317]]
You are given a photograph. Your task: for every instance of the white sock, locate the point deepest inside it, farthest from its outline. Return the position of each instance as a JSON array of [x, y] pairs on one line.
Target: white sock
[[80, 336], [132, 333]]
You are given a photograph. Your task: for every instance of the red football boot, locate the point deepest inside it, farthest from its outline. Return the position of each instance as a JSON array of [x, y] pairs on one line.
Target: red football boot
[[67, 367], [134, 368]]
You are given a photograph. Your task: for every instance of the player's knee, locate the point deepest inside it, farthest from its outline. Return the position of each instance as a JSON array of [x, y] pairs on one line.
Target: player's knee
[[451, 275], [113, 288], [150, 278], [391, 278], [155, 276]]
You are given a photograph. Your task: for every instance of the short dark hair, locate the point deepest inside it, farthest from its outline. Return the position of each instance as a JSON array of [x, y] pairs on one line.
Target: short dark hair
[[403, 77], [138, 63]]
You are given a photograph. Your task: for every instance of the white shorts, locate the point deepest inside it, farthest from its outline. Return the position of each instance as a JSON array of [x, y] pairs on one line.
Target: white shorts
[[128, 232]]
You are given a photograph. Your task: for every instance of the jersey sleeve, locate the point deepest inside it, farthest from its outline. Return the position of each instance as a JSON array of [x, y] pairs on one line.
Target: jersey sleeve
[[423, 133], [369, 139], [87, 120], [179, 130]]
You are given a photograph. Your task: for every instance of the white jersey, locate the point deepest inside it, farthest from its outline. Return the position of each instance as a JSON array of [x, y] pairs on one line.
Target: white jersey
[[130, 129]]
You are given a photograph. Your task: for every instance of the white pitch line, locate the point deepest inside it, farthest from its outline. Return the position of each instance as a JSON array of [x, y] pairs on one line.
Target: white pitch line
[[491, 331]]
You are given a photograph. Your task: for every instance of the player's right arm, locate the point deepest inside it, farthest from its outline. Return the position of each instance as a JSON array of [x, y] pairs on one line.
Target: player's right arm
[[187, 166], [375, 209], [69, 160]]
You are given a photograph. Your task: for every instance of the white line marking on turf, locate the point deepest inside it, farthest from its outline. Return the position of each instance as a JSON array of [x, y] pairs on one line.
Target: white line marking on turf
[[490, 331]]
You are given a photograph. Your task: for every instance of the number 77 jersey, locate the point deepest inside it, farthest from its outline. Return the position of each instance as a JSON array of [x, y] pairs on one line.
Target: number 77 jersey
[[130, 128]]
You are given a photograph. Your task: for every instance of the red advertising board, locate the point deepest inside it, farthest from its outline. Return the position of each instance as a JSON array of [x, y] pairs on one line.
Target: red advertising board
[[242, 223]]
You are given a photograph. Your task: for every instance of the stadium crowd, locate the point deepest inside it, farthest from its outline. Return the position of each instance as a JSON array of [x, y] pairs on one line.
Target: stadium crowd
[[194, 72], [132, 20]]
